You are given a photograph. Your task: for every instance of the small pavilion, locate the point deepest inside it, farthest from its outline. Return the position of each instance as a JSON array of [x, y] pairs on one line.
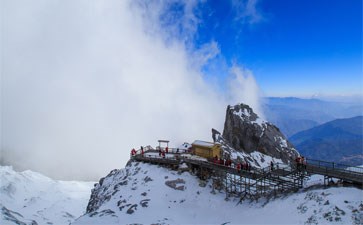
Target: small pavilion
[[163, 142]]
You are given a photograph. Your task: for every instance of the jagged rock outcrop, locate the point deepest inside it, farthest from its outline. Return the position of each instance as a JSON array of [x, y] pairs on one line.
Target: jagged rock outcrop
[[101, 194], [245, 132]]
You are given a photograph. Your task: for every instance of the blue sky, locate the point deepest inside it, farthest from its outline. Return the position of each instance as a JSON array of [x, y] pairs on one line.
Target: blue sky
[[80, 76], [294, 48]]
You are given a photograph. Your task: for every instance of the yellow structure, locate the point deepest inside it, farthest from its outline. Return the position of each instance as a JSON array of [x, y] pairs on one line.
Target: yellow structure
[[206, 149]]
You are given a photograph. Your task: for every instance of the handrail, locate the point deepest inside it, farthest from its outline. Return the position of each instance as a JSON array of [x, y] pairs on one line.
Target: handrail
[[330, 168], [335, 166]]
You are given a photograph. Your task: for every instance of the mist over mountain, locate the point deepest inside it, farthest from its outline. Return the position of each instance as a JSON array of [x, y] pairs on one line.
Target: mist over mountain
[[29, 197], [293, 115], [340, 140]]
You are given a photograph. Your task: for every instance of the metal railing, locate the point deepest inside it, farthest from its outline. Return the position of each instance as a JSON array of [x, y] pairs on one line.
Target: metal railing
[[312, 166], [335, 166]]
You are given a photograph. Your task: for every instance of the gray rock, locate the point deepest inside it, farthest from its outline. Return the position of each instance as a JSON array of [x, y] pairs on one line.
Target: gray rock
[[176, 184], [132, 209], [244, 131]]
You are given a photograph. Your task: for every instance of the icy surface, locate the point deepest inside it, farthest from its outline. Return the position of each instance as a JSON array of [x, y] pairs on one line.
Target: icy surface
[[31, 197], [148, 194]]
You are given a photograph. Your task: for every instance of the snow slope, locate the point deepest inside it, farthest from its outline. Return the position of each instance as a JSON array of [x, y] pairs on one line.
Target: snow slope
[[148, 194], [30, 197]]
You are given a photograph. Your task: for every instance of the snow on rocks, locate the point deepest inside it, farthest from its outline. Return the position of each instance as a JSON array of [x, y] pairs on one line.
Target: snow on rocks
[[176, 184], [148, 194], [31, 198], [255, 158], [264, 160], [245, 132]]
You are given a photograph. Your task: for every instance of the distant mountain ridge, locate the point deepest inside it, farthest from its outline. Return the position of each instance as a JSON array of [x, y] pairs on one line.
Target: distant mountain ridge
[[293, 115], [31, 198], [340, 140]]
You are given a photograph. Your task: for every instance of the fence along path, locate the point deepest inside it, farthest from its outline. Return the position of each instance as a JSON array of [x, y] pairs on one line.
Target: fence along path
[[280, 177], [335, 170]]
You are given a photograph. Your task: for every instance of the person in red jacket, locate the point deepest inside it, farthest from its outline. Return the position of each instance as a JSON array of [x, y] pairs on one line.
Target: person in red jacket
[[238, 167], [142, 152], [166, 149], [229, 162], [133, 152], [215, 159]]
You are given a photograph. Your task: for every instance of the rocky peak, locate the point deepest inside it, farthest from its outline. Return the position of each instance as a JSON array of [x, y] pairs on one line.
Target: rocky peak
[[246, 132], [245, 113]]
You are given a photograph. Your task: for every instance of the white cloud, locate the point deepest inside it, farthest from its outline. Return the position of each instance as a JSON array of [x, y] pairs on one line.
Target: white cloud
[[243, 88], [83, 82], [246, 11]]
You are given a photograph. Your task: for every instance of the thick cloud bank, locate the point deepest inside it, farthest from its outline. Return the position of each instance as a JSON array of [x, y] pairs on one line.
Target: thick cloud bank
[[83, 82]]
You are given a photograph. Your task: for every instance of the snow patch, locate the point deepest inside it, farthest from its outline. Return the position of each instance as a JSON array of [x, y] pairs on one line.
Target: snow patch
[[199, 203], [38, 198]]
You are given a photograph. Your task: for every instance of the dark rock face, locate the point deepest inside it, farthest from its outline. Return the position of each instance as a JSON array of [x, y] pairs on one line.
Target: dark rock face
[[246, 132], [99, 193]]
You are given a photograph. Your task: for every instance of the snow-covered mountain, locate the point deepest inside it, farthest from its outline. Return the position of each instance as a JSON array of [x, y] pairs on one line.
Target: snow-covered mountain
[[339, 140], [252, 139], [149, 194], [31, 198], [143, 193], [293, 115]]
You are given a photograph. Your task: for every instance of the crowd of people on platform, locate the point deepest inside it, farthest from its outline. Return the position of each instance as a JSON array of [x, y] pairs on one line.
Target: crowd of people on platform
[[300, 162], [228, 162], [161, 152], [244, 165], [133, 151]]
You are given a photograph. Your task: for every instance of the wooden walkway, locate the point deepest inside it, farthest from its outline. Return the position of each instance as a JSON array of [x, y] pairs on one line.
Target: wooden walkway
[[335, 170], [258, 182]]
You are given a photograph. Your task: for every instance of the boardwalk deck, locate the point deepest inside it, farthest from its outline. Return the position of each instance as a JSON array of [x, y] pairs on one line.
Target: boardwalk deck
[[259, 182]]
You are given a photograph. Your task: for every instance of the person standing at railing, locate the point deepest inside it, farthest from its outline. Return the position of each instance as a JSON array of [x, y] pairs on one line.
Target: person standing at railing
[[238, 167], [303, 162], [166, 150], [229, 162], [297, 160]]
